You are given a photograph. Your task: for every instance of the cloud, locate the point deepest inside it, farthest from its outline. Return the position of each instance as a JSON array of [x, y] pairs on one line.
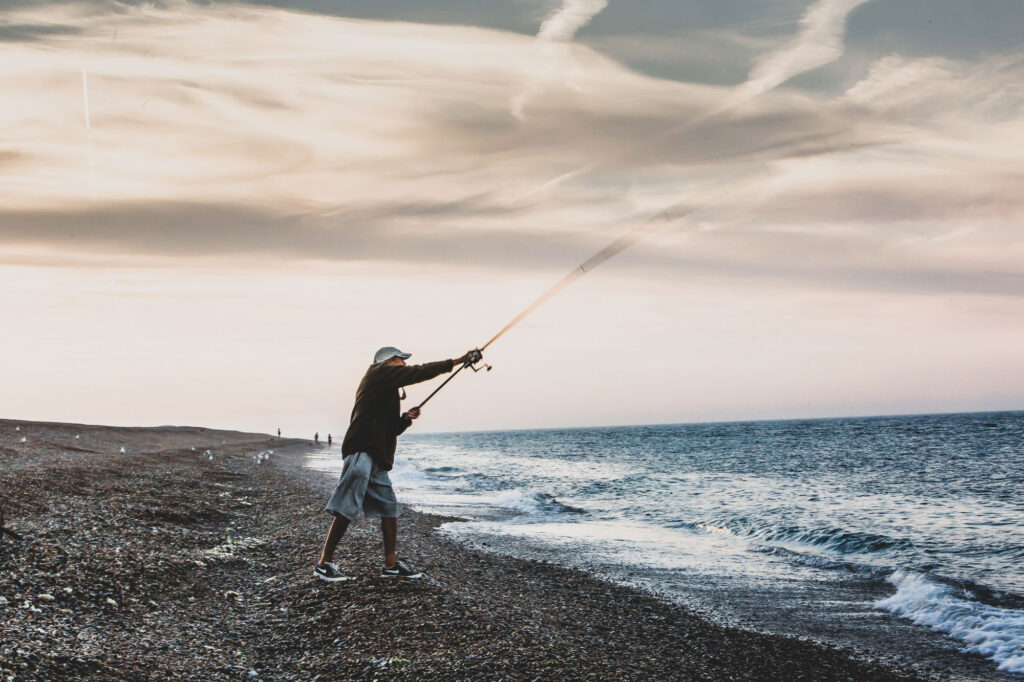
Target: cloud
[[901, 88], [560, 26], [302, 136], [570, 18], [306, 114], [819, 42]]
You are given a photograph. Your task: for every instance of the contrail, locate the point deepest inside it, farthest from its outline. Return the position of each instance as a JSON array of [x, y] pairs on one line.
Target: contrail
[[819, 42], [560, 27], [570, 17], [88, 131]]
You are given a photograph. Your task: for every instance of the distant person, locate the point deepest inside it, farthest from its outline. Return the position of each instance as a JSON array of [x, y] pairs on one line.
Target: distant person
[[279, 432], [368, 452], [330, 439], [316, 438]]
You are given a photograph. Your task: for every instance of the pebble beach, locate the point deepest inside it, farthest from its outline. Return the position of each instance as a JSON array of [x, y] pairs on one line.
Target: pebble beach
[[187, 553]]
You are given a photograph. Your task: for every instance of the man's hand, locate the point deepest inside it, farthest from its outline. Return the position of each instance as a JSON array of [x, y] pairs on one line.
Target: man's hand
[[467, 357], [414, 413]]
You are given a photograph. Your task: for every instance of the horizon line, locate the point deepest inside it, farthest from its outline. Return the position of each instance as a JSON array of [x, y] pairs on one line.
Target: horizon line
[[546, 428]]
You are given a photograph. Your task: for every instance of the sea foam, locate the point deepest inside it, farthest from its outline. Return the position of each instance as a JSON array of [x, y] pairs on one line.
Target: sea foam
[[991, 631]]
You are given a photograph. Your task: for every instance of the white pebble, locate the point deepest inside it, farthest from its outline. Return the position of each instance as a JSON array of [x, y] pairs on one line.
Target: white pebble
[[111, 602], [46, 597], [122, 450], [3, 601]]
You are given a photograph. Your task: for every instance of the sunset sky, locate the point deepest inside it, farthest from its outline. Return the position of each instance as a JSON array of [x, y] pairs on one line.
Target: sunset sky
[[214, 214]]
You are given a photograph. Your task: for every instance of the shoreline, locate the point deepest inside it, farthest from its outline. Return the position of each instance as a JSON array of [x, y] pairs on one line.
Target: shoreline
[[159, 562]]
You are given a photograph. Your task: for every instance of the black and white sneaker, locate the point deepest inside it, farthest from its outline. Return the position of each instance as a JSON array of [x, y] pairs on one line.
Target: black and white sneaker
[[330, 573], [400, 570]]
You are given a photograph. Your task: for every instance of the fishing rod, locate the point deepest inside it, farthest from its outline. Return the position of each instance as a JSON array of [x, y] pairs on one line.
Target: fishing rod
[[616, 247]]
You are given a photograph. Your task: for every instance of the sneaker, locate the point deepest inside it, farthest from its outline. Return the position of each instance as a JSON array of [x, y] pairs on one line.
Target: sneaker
[[330, 573], [400, 570]]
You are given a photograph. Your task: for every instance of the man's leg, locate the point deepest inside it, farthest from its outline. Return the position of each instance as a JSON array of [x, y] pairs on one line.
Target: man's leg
[[380, 501], [389, 529], [346, 501], [338, 528]]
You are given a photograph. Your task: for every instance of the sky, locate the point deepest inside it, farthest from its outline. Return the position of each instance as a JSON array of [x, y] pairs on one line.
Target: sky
[[214, 213]]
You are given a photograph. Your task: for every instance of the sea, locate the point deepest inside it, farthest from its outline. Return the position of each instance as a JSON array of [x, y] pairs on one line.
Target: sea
[[901, 537]]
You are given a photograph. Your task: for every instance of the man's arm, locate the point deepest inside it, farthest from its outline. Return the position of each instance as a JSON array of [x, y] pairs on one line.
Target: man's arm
[[406, 375]]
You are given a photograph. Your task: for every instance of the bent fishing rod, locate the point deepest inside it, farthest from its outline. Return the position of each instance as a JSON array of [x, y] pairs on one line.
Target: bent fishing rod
[[631, 237]]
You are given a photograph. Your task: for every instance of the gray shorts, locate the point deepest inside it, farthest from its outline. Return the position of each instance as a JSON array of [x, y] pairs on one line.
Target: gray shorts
[[362, 486]]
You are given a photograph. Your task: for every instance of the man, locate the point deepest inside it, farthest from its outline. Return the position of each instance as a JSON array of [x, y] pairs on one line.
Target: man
[[368, 450]]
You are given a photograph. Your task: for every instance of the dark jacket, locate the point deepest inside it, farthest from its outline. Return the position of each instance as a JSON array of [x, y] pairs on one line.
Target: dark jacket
[[376, 417]]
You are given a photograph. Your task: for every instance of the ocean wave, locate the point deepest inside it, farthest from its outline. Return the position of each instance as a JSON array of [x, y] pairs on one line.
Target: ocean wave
[[442, 470], [992, 631], [804, 559], [517, 499], [832, 538], [526, 501], [835, 539]]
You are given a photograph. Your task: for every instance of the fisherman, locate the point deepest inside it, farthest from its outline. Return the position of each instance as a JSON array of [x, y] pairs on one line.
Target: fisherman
[[330, 440], [368, 452], [316, 438]]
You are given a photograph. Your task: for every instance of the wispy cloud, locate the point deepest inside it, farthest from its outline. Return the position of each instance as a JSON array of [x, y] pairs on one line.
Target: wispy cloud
[[819, 42], [559, 27], [314, 137], [88, 132], [569, 18]]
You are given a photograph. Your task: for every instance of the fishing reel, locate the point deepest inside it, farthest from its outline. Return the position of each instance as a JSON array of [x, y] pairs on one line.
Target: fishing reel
[[476, 357]]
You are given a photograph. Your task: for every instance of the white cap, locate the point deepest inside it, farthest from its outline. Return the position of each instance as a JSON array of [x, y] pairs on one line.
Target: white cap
[[388, 352]]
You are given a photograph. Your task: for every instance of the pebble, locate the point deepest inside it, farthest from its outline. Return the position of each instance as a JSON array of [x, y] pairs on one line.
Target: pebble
[[111, 602]]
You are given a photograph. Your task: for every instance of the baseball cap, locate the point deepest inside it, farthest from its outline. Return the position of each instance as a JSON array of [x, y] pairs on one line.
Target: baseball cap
[[388, 352]]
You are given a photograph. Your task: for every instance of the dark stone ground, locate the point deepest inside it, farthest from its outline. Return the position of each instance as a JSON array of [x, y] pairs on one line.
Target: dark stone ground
[[158, 563]]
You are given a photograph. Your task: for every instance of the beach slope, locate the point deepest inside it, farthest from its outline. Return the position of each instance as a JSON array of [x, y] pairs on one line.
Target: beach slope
[[180, 552]]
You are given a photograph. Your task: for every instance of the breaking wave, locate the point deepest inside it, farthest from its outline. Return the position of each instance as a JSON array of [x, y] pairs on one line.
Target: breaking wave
[[992, 631]]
